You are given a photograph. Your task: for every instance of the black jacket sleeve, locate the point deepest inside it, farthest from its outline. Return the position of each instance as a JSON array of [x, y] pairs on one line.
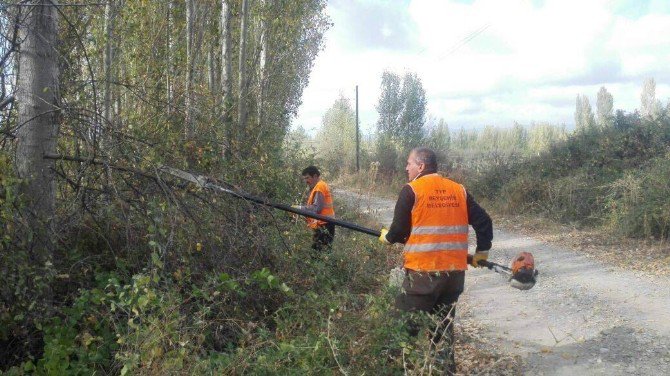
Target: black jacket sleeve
[[402, 216], [481, 222]]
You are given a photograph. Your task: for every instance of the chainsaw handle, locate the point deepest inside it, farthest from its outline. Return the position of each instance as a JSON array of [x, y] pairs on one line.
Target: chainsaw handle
[[485, 264], [488, 264]]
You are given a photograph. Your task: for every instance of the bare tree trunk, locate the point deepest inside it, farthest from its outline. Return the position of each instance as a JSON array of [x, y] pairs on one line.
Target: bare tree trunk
[[226, 76], [37, 98], [189, 69], [110, 14], [242, 70], [168, 63], [261, 68], [120, 99], [211, 73]]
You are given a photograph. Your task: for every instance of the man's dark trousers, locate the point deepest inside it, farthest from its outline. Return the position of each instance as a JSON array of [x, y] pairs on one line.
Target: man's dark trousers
[[323, 236], [434, 293]]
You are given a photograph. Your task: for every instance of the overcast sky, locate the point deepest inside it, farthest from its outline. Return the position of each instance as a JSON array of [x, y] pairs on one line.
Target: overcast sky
[[492, 62]]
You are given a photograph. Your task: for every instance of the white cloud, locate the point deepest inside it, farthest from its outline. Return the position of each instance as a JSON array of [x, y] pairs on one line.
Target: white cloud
[[496, 62]]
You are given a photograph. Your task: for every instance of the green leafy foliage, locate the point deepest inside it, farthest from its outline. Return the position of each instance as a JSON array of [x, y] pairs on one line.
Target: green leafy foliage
[[607, 176], [336, 139], [402, 115], [638, 203]]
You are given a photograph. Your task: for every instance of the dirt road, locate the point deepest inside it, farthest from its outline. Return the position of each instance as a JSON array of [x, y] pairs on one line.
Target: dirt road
[[581, 318]]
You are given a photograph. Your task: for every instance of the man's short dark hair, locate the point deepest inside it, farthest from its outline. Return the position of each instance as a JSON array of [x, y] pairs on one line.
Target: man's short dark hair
[[426, 156], [311, 171]]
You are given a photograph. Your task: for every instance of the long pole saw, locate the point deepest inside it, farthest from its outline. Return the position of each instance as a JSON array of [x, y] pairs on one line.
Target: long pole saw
[[205, 182], [521, 277]]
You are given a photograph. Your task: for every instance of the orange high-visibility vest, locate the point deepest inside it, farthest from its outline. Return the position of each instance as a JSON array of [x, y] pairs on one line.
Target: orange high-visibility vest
[[328, 209], [439, 238]]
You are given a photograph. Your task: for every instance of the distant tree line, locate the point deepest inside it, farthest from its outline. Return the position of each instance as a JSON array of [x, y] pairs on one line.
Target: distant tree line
[[650, 108], [403, 123]]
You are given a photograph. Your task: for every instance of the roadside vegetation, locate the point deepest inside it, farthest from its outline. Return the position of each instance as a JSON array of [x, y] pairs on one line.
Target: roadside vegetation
[[613, 178]]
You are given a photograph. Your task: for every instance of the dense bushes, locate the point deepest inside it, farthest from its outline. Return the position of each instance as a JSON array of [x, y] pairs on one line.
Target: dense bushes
[[616, 177], [639, 202], [162, 278]]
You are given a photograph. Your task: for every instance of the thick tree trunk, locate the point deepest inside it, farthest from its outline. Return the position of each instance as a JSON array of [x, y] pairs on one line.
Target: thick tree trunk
[[242, 72], [37, 98]]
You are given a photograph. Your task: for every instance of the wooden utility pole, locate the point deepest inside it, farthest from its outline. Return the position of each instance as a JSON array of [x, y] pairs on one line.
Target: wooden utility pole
[[358, 167]]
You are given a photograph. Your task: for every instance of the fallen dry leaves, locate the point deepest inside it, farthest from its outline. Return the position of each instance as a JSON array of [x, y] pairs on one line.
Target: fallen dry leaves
[[650, 256], [476, 355]]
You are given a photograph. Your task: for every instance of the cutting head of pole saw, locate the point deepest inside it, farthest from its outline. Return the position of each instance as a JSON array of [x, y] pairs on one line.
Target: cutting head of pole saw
[[523, 273]]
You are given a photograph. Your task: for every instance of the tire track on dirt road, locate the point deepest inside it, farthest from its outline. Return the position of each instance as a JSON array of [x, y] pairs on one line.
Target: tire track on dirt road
[[581, 318]]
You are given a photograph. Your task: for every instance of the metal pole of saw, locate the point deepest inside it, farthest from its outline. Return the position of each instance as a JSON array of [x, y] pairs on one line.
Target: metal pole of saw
[[204, 182], [492, 266]]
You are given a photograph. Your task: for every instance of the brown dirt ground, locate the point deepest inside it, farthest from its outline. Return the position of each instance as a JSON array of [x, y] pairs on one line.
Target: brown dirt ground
[[475, 355]]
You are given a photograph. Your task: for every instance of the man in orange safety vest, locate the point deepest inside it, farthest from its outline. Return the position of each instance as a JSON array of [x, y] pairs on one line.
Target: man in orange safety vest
[[320, 201], [431, 218]]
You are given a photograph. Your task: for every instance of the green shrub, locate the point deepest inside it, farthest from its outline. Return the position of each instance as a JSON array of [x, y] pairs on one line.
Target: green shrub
[[639, 202]]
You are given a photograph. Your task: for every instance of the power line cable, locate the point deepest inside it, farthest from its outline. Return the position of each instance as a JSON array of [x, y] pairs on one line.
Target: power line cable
[[464, 41]]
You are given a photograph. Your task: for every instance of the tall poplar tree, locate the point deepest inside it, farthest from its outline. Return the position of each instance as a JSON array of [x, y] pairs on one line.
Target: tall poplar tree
[[337, 137], [648, 105], [389, 106], [402, 114], [584, 118], [605, 108], [413, 115], [190, 67], [225, 35], [242, 81]]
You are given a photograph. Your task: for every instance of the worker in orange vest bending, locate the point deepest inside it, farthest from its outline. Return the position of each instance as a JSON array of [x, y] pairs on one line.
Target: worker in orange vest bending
[[320, 201], [431, 218]]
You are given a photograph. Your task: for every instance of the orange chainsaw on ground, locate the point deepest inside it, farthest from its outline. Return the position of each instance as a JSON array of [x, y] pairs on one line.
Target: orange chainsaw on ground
[[521, 272]]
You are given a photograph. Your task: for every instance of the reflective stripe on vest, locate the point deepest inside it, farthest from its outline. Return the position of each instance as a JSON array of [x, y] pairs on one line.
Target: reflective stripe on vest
[[439, 237], [322, 188], [439, 230], [429, 247]]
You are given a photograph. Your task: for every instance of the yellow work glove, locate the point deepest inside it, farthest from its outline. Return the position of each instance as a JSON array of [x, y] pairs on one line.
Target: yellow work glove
[[382, 237], [479, 256]]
